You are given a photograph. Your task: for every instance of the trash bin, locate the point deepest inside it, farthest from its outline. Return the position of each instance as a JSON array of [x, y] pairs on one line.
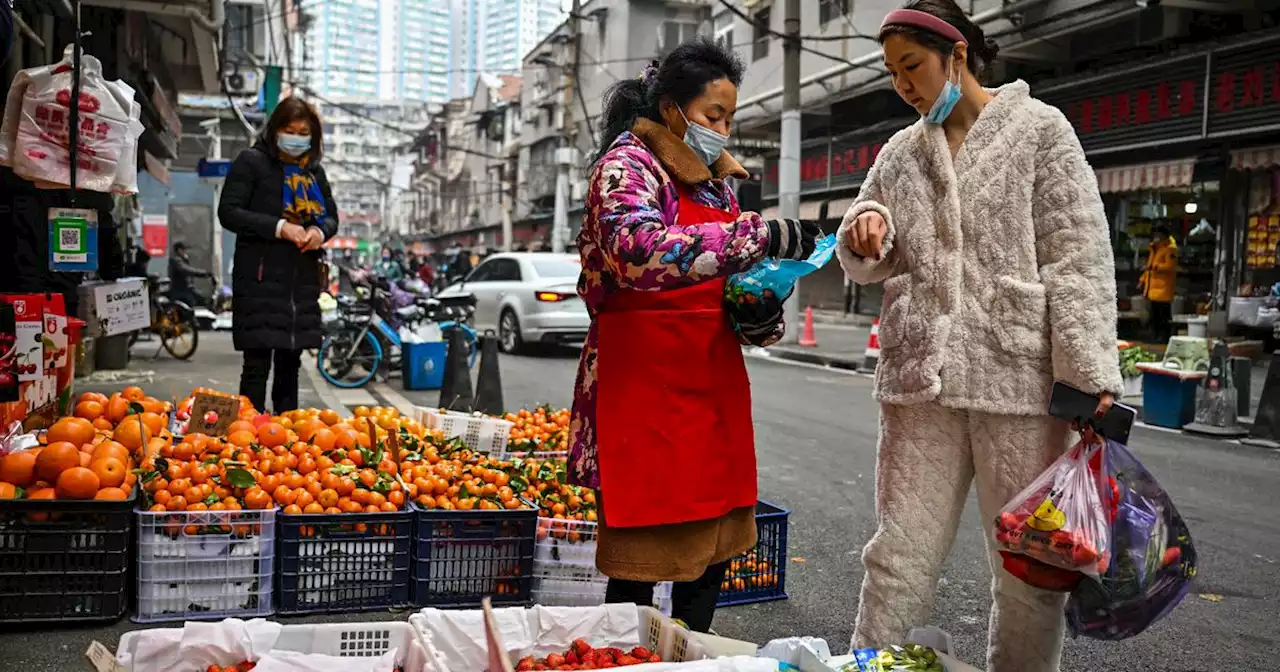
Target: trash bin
[[112, 353], [422, 365]]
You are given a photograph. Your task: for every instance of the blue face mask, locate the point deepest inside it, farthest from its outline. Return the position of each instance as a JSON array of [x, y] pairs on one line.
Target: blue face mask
[[945, 103], [704, 142], [293, 145]]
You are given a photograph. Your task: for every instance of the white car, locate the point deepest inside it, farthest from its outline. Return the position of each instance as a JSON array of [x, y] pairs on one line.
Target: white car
[[527, 297]]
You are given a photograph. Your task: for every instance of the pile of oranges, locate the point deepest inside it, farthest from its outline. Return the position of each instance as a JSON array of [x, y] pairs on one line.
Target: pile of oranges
[[542, 430], [748, 571], [91, 454]]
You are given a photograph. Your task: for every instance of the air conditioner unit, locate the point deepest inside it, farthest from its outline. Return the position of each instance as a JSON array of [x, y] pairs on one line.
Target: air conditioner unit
[[243, 82]]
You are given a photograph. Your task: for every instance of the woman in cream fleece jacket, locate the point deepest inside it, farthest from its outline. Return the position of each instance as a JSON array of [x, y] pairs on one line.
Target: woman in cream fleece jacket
[[984, 222]]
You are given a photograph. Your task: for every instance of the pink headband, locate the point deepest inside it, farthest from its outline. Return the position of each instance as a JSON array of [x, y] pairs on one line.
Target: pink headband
[[918, 19]]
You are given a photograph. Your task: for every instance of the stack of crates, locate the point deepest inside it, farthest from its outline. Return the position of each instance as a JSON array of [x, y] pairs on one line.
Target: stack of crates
[[564, 567], [461, 557], [343, 562], [205, 564]]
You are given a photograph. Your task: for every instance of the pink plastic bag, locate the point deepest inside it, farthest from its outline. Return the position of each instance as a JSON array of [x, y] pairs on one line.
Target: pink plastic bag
[[1061, 519]]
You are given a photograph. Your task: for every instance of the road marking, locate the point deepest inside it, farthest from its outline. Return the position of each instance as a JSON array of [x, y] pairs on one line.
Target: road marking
[[322, 387], [396, 399]]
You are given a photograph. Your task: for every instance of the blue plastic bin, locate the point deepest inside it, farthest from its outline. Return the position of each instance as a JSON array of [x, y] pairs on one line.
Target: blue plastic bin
[[1167, 400], [760, 574], [423, 365], [461, 557]]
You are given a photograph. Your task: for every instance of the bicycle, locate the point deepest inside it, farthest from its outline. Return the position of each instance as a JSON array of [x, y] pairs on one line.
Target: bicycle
[[360, 339]]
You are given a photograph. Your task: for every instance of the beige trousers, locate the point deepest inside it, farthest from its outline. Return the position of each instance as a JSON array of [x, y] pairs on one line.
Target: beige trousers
[[927, 457]]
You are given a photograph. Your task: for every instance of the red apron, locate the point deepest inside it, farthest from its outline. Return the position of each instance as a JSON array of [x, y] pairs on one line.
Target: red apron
[[674, 439]]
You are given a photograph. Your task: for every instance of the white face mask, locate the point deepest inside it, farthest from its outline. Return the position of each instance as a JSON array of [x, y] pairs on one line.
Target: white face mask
[[704, 142]]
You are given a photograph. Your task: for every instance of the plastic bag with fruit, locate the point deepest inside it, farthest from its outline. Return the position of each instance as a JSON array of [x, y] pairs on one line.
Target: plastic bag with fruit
[[1152, 557], [1059, 521]]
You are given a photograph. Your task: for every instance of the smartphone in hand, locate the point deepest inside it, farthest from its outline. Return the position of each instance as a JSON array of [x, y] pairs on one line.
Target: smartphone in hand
[[1069, 404]]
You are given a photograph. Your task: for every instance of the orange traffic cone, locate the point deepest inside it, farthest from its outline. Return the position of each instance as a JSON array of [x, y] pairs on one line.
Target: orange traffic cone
[[872, 355], [808, 339]]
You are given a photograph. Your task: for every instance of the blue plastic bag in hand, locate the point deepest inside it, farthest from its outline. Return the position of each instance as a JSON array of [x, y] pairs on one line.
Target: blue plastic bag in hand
[[777, 277], [1152, 559]]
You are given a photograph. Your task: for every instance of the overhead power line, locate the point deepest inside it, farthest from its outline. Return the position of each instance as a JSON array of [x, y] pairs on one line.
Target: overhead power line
[[857, 35]]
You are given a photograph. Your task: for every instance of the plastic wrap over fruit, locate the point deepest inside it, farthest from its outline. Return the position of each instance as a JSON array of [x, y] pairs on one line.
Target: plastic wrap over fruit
[[1060, 519], [777, 277], [1153, 559]]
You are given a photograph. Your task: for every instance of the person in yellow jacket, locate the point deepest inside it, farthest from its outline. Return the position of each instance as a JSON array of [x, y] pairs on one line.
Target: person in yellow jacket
[[1158, 279]]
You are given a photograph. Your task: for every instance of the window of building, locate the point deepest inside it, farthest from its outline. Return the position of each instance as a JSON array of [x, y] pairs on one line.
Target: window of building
[[239, 31], [723, 27], [675, 33], [830, 10], [760, 35]]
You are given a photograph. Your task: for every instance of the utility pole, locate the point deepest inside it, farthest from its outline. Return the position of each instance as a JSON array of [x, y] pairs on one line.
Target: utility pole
[[565, 153], [789, 161]]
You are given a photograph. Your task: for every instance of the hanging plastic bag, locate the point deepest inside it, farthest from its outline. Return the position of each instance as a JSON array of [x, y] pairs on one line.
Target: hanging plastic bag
[[1152, 557], [1060, 519], [777, 277]]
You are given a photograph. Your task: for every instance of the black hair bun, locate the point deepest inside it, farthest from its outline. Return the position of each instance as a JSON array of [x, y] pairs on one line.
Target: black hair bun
[[989, 50]]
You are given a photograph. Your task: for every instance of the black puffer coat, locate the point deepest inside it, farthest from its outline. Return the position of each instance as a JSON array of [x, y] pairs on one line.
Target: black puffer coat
[[275, 288]]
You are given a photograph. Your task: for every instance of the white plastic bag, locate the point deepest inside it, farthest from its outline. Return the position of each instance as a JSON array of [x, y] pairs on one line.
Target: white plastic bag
[[34, 134]]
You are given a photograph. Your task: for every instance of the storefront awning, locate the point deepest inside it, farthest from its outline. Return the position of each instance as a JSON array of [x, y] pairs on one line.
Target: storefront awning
[[1256, 158], [1160, 175]]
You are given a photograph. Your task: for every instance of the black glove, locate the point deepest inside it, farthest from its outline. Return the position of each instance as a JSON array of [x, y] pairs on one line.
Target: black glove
[[792, 238]]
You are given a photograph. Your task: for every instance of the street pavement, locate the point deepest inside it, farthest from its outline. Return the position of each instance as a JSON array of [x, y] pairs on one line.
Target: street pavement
[[816, 432]]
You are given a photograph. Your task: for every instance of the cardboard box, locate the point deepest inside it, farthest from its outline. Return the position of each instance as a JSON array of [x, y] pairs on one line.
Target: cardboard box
[[113, 308]]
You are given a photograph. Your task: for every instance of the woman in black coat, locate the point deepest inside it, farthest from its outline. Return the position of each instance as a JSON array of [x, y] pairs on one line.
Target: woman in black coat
[[277, 201]]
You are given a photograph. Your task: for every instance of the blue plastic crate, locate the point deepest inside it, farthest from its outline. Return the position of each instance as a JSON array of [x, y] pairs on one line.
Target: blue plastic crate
[[462, 557], [760, 575], [204, 564], [1168, 401], [343, 562], [64, 560], [422, 365]]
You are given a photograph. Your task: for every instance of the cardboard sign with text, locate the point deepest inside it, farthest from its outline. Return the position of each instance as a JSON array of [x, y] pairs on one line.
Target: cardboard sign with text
[[221, 410]]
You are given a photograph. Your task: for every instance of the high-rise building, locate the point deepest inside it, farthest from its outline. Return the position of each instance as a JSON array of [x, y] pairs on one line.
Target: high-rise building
[[510, 28], [340, 49]]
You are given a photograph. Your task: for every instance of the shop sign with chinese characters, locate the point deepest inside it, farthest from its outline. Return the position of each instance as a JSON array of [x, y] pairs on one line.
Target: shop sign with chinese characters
[[842, 162], [1244, 89]]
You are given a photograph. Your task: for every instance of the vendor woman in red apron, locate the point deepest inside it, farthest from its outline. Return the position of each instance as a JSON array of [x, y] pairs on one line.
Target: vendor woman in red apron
[[662, 408]]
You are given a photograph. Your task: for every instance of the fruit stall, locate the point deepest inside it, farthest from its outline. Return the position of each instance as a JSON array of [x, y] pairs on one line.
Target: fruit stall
[[206, 512]]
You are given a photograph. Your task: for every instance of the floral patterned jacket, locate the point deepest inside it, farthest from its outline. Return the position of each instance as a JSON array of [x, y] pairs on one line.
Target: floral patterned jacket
[[630, 240]]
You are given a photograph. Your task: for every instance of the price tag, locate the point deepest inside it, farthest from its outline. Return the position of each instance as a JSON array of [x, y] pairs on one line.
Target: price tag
[[212, 414], [73, 239], [102, 659]]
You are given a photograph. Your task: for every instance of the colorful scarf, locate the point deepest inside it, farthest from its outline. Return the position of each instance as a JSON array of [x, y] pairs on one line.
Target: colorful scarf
[[302, 195]]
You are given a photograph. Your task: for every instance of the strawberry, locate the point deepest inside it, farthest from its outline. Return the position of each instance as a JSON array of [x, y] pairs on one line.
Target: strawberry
[[525, 664], [1008, 521], [655, 658], [625, 660], [1172, 555], [555, 660], [571, 658], [641, 653]]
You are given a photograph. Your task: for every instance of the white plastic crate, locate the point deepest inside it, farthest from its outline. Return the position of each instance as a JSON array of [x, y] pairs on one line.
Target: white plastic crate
[[345, 640], [480, 432], [658, 633], [204, 564], [564, 567]]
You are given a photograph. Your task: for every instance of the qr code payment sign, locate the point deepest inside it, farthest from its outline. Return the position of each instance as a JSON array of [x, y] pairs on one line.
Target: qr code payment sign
[[69, 240]]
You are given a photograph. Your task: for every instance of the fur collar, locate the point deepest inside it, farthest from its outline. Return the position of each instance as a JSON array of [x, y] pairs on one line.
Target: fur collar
[[679, 159]]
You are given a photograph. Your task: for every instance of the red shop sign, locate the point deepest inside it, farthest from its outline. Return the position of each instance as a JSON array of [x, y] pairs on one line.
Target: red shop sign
[[1156, 103], [1244, 88]]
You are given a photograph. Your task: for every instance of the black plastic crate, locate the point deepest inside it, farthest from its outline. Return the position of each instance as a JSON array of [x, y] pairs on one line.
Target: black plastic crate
[[343, 562], [760, 574], [63, 560], [462, 557]]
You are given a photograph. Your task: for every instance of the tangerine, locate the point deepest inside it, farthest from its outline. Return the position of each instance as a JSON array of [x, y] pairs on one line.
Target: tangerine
[[111, 472], [272, 434], [18, 468], [324, 439], [8, 491], [132, 434], [239, 425], [77, 483], [85, 459], [133, 393], [242, 438], [153, 421], [56, 458], [89, 409], [117, 409]]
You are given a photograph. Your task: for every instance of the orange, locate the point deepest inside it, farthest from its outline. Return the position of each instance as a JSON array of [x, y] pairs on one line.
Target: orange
[[85, 459], [293, 509], [112, 494], [313, 507], [133, 393], [43, 493], [19, 468], [272, 434], [153, 421], [256, 498], [110, 472], [305, 429], [324, 439], [8, 491], [117, 409], [329, 417], [102, 424], [72, 430], [111, 449], [132, 433], [243, 438], [77, 483], [55, 459], [240, 425], [89, 409]]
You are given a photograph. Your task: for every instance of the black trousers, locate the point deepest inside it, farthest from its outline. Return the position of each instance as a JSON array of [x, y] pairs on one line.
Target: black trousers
[[693, 602], [284, 387], [1161, 322]]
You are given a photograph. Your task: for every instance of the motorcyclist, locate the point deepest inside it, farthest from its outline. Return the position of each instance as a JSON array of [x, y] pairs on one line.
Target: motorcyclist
[[181, 275], [389, 268]]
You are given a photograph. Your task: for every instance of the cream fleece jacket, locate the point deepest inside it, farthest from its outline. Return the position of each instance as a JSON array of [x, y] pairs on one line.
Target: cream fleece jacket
[[997, 268]]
